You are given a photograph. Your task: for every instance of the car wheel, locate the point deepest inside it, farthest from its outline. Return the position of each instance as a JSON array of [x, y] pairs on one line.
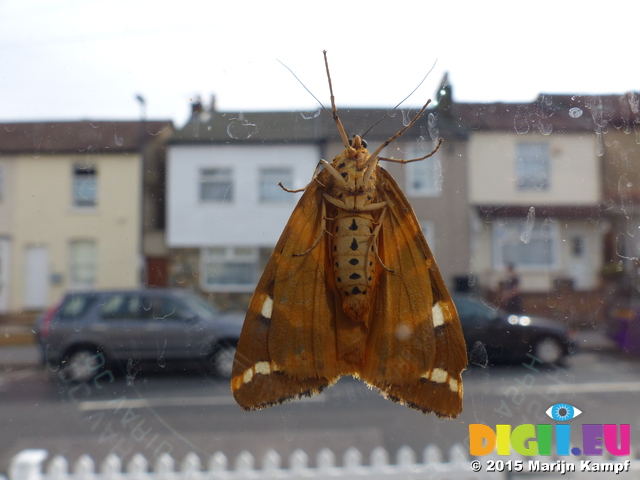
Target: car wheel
[[548, 349], [221, 359], [82, 365]]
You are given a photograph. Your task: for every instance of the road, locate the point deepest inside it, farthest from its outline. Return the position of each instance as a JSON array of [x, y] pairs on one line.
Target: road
[[178, 411]]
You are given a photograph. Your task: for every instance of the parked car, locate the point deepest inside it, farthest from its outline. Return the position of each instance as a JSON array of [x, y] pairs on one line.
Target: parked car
[[87, 331], [509, 337]]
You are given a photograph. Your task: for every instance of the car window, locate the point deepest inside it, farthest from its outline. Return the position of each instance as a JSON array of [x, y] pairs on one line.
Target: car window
[[75, 306], [163, 308], [472, 311], [122, 305]]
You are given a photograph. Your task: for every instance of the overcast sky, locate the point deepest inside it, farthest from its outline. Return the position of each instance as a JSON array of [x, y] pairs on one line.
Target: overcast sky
[[88, 59]]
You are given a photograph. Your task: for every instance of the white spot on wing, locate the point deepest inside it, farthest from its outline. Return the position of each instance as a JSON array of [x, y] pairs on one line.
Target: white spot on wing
[[453, 384], [437, 315], [438, 375], [263, 368], [267, 307], [248, 375]]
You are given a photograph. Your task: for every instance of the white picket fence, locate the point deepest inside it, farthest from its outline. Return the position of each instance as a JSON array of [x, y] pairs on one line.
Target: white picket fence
[[28, 465]]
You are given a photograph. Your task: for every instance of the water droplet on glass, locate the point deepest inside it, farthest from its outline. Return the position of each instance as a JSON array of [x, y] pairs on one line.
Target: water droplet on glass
[[239, 128], [575, 112], [308, 115], [432, 126], [525, 237], [478, 355], [406, 119], [119, 140], [521, 124], [545, 128], [599, 144]]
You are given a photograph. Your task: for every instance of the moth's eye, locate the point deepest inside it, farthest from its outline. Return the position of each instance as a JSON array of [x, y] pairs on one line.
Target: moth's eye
[[364, 143], [562, 412]]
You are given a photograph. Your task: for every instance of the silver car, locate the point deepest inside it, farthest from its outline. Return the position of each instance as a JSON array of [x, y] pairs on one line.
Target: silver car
[[88, 330]]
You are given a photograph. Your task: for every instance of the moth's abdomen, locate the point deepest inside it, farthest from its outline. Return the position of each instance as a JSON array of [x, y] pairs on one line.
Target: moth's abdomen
[[353, 261]]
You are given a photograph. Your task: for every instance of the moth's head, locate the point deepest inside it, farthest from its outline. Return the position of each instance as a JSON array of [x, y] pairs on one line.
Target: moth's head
[[358, 151], [357, 143]]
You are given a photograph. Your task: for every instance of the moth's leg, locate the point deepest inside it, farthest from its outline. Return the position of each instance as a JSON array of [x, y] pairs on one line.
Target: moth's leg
[[340, 204], [375, 239], [335, 173], [374, 156], [400, 160], [323, 230], [315, 176]]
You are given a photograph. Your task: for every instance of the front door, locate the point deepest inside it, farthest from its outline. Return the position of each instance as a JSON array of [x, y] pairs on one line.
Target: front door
[[36, 293]]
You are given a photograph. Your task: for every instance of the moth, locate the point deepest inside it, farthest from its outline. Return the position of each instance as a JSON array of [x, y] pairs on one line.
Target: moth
[[352, 289]]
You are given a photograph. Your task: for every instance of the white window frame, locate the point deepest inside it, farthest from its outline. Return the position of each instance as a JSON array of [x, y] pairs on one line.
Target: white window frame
[[428, 172], [207, 176], [83, 265], [225, 255], [533, 166], [268, 188], [84, 178], [512, 231]]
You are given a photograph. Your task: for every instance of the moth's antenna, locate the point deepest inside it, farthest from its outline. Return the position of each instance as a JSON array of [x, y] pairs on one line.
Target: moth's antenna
[[334, 110], [403, 100], [305, 87]]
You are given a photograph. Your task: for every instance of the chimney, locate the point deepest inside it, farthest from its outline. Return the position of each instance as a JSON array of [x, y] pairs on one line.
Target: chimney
[[196, 108], [212, 106]]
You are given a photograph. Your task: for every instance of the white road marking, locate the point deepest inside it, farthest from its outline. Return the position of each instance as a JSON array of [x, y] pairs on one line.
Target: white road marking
[[134, 403]]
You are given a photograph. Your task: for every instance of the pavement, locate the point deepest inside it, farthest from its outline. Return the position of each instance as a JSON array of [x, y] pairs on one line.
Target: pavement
[[26, 355]]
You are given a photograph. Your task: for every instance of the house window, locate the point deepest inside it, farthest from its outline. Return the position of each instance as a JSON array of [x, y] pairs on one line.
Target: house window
[[532, 166], [424, 178], [270, 191], [227, 269], [429, 234], [525, 246], [85, 186], [216, 185], [82, 264]]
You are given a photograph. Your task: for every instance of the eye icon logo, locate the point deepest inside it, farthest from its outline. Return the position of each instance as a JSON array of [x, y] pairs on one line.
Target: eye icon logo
[[563, 412]]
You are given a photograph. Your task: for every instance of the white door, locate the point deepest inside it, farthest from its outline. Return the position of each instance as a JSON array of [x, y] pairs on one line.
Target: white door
[[5, 249], [36, 294]]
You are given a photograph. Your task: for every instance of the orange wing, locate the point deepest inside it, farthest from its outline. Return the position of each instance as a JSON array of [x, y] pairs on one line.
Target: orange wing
[[415, 352], [287, 348]]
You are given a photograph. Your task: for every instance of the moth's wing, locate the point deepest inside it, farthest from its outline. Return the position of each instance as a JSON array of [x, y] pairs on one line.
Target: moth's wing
[[287, 347], [416, 351]]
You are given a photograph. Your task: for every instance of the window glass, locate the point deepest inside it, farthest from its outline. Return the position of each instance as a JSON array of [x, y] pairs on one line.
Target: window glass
[[216, 185], [270, 191], [532, 166], [227, 269], [424, 178], [85, 186], [519, 243], [82, 263]]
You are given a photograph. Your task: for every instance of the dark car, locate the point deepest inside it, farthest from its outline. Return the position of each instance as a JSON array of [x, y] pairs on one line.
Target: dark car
[[89, 330], [510, 337]]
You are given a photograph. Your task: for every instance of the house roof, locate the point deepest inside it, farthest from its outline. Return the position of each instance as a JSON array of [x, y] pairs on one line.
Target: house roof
[[551, 113], [284, 127], [84, 136]]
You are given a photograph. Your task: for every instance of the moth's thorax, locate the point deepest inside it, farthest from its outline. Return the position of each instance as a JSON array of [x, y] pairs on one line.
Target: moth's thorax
[[360, 184]]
